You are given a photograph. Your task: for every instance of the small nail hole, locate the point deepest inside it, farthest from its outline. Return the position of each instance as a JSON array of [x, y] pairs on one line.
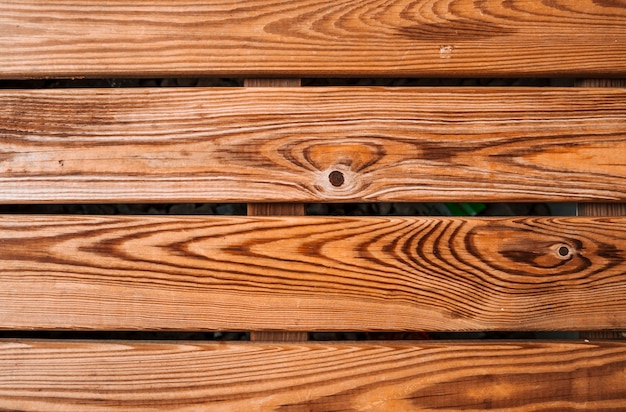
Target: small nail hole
[[336, 178], [563, 251]]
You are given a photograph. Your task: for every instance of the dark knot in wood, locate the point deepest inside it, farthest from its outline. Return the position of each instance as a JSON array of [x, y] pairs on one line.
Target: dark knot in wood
[[336, 178]]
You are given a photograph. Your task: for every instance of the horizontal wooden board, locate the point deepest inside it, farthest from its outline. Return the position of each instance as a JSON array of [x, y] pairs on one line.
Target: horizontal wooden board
[[312, 273], [124, 375], [303, 38], [310, 144]]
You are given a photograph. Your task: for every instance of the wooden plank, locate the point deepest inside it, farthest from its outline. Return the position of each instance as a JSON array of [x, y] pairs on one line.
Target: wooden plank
[[312, 273], [304, 38], [602, 209], [278, 336], [512, 376], [276, 209], [272, 82], [604, 334], [308, 145]]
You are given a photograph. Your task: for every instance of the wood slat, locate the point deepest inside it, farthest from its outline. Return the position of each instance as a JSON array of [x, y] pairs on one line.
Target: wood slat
[[272, 82], [308, 144], [275, 209], [513, 376], [312, 273], [602, 209], [303, 38]]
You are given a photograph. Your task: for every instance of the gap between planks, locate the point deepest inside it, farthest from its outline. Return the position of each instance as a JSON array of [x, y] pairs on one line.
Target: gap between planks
[[276, 209]]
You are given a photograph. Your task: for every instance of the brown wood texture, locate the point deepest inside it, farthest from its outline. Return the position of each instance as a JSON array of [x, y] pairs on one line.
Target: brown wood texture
[[303, 38], [380, 376], [312, 273], [604, 334], [601, 82], [310, 144], [278, 336], [275, 209], [272, 82], [602, 209]]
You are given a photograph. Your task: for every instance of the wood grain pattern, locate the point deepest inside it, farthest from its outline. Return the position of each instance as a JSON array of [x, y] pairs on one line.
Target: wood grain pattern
[[106, 376], [603, 334], [308, 145], [272, 82], [602, 209], [275, 209], [304, 38], [312, 273], [278, 336]]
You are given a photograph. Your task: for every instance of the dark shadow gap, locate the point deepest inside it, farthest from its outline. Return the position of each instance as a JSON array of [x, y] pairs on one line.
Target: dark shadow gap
[[129, 209], [443, 336], [312, 209], [125, 335], [306, 82], [313, 336]]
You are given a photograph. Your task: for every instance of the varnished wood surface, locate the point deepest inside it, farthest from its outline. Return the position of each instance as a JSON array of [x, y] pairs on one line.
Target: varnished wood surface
[[309, 144], [312, 273], [412, 376], [303, 38]]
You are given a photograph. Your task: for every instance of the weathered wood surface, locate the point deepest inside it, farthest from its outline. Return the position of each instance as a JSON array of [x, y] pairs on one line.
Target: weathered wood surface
[[105, 376], [308, 144], [304, 38], [312, 273]]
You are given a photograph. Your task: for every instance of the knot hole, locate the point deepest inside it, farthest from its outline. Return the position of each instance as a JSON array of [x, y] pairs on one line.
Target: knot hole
[[564, 251], [336, 178]]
